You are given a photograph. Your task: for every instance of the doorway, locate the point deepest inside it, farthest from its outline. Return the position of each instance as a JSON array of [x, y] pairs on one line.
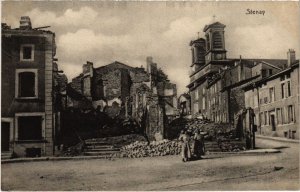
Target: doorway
[[5, 128]]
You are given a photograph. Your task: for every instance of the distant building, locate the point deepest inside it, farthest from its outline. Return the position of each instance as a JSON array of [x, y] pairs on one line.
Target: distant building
[[184, 104], [127, 92], [275, 101], [216, 81], [27, 95]]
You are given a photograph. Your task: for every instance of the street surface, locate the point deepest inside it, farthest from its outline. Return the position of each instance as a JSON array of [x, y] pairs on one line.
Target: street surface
[[215, 172]]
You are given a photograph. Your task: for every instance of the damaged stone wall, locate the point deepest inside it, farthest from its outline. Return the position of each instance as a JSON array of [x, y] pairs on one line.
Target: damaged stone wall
[[135, 93]]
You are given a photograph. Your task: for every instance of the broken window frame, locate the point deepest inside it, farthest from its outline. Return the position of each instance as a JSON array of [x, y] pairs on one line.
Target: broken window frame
[[17, 83], [33, 114], [22, 52]]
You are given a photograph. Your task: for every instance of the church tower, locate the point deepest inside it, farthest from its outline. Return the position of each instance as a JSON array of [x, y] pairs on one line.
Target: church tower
[[215, 42], [198, 54]]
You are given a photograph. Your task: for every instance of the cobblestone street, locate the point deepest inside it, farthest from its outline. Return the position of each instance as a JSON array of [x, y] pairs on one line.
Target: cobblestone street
[[218, 172]]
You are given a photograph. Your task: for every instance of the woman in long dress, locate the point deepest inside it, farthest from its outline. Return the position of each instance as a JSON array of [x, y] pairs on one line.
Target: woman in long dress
[[185, 149], [198, 145]]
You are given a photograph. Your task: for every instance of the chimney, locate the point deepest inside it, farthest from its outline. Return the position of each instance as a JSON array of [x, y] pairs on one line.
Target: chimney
[[25, 23], [291, 57], [149, 61], [88, 68]]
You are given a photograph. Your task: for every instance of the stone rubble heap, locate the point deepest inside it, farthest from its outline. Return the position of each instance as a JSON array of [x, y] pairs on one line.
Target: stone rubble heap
[[210, 128], [232, 146], [155, 148]]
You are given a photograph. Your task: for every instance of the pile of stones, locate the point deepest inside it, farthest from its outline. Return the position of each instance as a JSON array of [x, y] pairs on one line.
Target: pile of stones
[[155, 148], [232, 147]]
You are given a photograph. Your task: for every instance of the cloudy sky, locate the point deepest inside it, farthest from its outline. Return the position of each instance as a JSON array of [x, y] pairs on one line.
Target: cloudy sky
[[103, 32]]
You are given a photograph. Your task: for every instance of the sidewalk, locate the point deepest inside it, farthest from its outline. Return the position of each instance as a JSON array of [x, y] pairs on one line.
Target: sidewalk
[[278, 139], [24, 159], [20, 160]]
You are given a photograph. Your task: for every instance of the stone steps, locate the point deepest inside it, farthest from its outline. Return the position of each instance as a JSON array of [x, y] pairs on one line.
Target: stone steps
[[99, 148], [99, 153], [5, 155], [212, 147], [91, 147]]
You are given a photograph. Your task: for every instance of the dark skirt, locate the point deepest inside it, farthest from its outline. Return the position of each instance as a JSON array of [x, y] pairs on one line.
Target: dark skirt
[[198, 148]]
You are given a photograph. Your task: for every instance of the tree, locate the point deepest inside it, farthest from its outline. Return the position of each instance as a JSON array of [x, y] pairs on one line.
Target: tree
[[161, 76]]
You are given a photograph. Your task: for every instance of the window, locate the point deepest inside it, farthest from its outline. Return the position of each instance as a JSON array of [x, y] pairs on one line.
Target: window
[[27, 52], [193, 56], [290, 114], [30, 127], [263, 73], [289, 89], [261, 118], [217, 40], [283, 115], [272, 94], [288, 76], [26, 83], [196, 109], [270, 72], [207, 42], [203, 103], [279, 116], [265, 118], [282, 90], [196, 95]]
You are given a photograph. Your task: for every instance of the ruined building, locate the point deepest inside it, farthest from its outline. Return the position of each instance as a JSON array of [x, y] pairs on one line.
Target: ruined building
[[216, 81], [127, 92], [28, 117]]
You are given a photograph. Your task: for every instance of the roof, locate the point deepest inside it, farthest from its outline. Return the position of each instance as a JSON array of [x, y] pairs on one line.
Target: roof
[[244, 82], [279, 63], [199, 40], [269, 78], [19, 31], [186, 95], [72, 93], [115, 64], [215, 25]]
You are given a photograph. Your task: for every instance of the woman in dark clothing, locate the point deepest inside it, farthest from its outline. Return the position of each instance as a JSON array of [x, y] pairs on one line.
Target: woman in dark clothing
[[198, 145]]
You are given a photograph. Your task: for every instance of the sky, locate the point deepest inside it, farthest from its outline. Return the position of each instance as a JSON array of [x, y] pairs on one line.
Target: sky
[[103, 32]]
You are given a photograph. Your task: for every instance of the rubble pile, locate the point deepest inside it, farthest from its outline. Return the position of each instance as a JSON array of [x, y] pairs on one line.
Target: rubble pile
[[210, 129], [232, 147], [155, 148]]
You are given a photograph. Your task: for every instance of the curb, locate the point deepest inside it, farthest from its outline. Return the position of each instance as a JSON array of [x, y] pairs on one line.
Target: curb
[[249, 152], [278, 139], [21, 160]]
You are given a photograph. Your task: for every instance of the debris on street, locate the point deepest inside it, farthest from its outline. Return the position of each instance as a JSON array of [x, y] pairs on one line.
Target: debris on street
[[155, 148]]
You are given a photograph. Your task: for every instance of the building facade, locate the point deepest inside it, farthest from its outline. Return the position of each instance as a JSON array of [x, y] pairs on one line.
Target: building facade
[[27, 115], [216, 81], [275, 101]]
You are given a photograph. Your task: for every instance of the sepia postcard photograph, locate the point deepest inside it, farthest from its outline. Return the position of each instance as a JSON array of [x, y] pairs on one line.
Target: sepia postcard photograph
[[150, 95]]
